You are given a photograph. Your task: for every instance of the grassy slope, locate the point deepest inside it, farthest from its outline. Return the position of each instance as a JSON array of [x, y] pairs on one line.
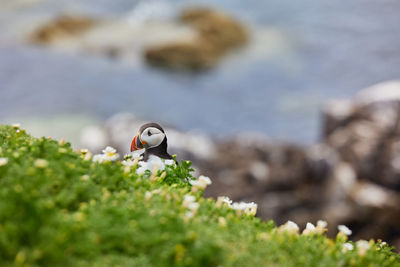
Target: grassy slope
[[76, 212]]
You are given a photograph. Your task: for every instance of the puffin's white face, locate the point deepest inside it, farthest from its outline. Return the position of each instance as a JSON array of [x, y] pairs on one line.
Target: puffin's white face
[[152, 137]]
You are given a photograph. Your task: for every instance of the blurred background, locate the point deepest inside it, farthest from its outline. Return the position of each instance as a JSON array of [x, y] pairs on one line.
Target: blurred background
[[294, 105]]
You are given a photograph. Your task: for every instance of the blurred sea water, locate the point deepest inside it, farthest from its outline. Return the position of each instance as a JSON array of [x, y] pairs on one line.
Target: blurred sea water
[[301, 54]]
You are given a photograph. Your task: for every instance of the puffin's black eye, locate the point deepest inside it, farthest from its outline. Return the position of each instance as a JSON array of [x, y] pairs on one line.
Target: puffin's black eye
[[149, 133]]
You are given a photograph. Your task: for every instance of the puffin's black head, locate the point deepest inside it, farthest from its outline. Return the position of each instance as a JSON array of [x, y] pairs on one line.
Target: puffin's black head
[[150, 135]]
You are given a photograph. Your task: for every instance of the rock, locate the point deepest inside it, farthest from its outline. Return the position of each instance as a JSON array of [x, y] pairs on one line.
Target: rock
[[321, 161], [185, 55], [336, 114], [365, 134], [219, 30], [197, 40], [382, 92], [345, 177], [217, 34], [61, 28], [374, 196]]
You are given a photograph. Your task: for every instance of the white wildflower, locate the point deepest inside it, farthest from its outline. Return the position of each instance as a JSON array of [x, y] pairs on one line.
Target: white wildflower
[[87, 156], [347, 247], [310, 229], [151, 164], [16, 125], [205, 179], [237, 205], [310, 226], [344, 229], [201, 183], [110, 153], [292, 225], [99, 158], [198, 184], [143, 167], [137, 154], [224, 200], [187, 199], [156, 161], [252, 209], [363, 246], [289, 227], [128, 162], [321, 227], [41, 163], [193, 206], [322, 224], [248, 208], [3, 161], [189, 202]]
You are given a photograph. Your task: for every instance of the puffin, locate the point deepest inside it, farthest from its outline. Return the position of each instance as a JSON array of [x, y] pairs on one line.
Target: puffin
[[152, 138]]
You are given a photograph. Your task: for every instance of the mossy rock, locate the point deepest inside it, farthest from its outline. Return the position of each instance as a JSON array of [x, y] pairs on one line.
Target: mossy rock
[[60, 28], [192, 56], [217, 34], [217, 29]]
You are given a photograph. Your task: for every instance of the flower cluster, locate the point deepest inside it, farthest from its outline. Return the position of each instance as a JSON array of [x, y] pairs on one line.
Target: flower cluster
[[363, 246], [292, 228], [200, 183], [347, 247], [343, 229], [319, 229], [129, 163], [248, 208], [109, 154], [289, 227], [153, 164], [224, 201]]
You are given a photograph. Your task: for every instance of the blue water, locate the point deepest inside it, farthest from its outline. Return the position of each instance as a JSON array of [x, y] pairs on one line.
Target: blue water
[[330, 49]]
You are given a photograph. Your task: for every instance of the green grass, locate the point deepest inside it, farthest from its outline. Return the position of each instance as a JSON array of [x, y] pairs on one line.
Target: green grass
[[68, 211]]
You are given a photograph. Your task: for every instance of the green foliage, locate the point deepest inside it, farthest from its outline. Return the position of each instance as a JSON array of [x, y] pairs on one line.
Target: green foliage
[[59, 209]]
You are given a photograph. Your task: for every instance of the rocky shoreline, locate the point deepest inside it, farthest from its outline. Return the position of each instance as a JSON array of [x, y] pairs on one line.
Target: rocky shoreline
[[197, 39], [351, 177]]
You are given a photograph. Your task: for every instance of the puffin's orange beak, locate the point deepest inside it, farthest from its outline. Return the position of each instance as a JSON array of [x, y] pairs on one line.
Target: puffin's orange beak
[[136, 144]]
